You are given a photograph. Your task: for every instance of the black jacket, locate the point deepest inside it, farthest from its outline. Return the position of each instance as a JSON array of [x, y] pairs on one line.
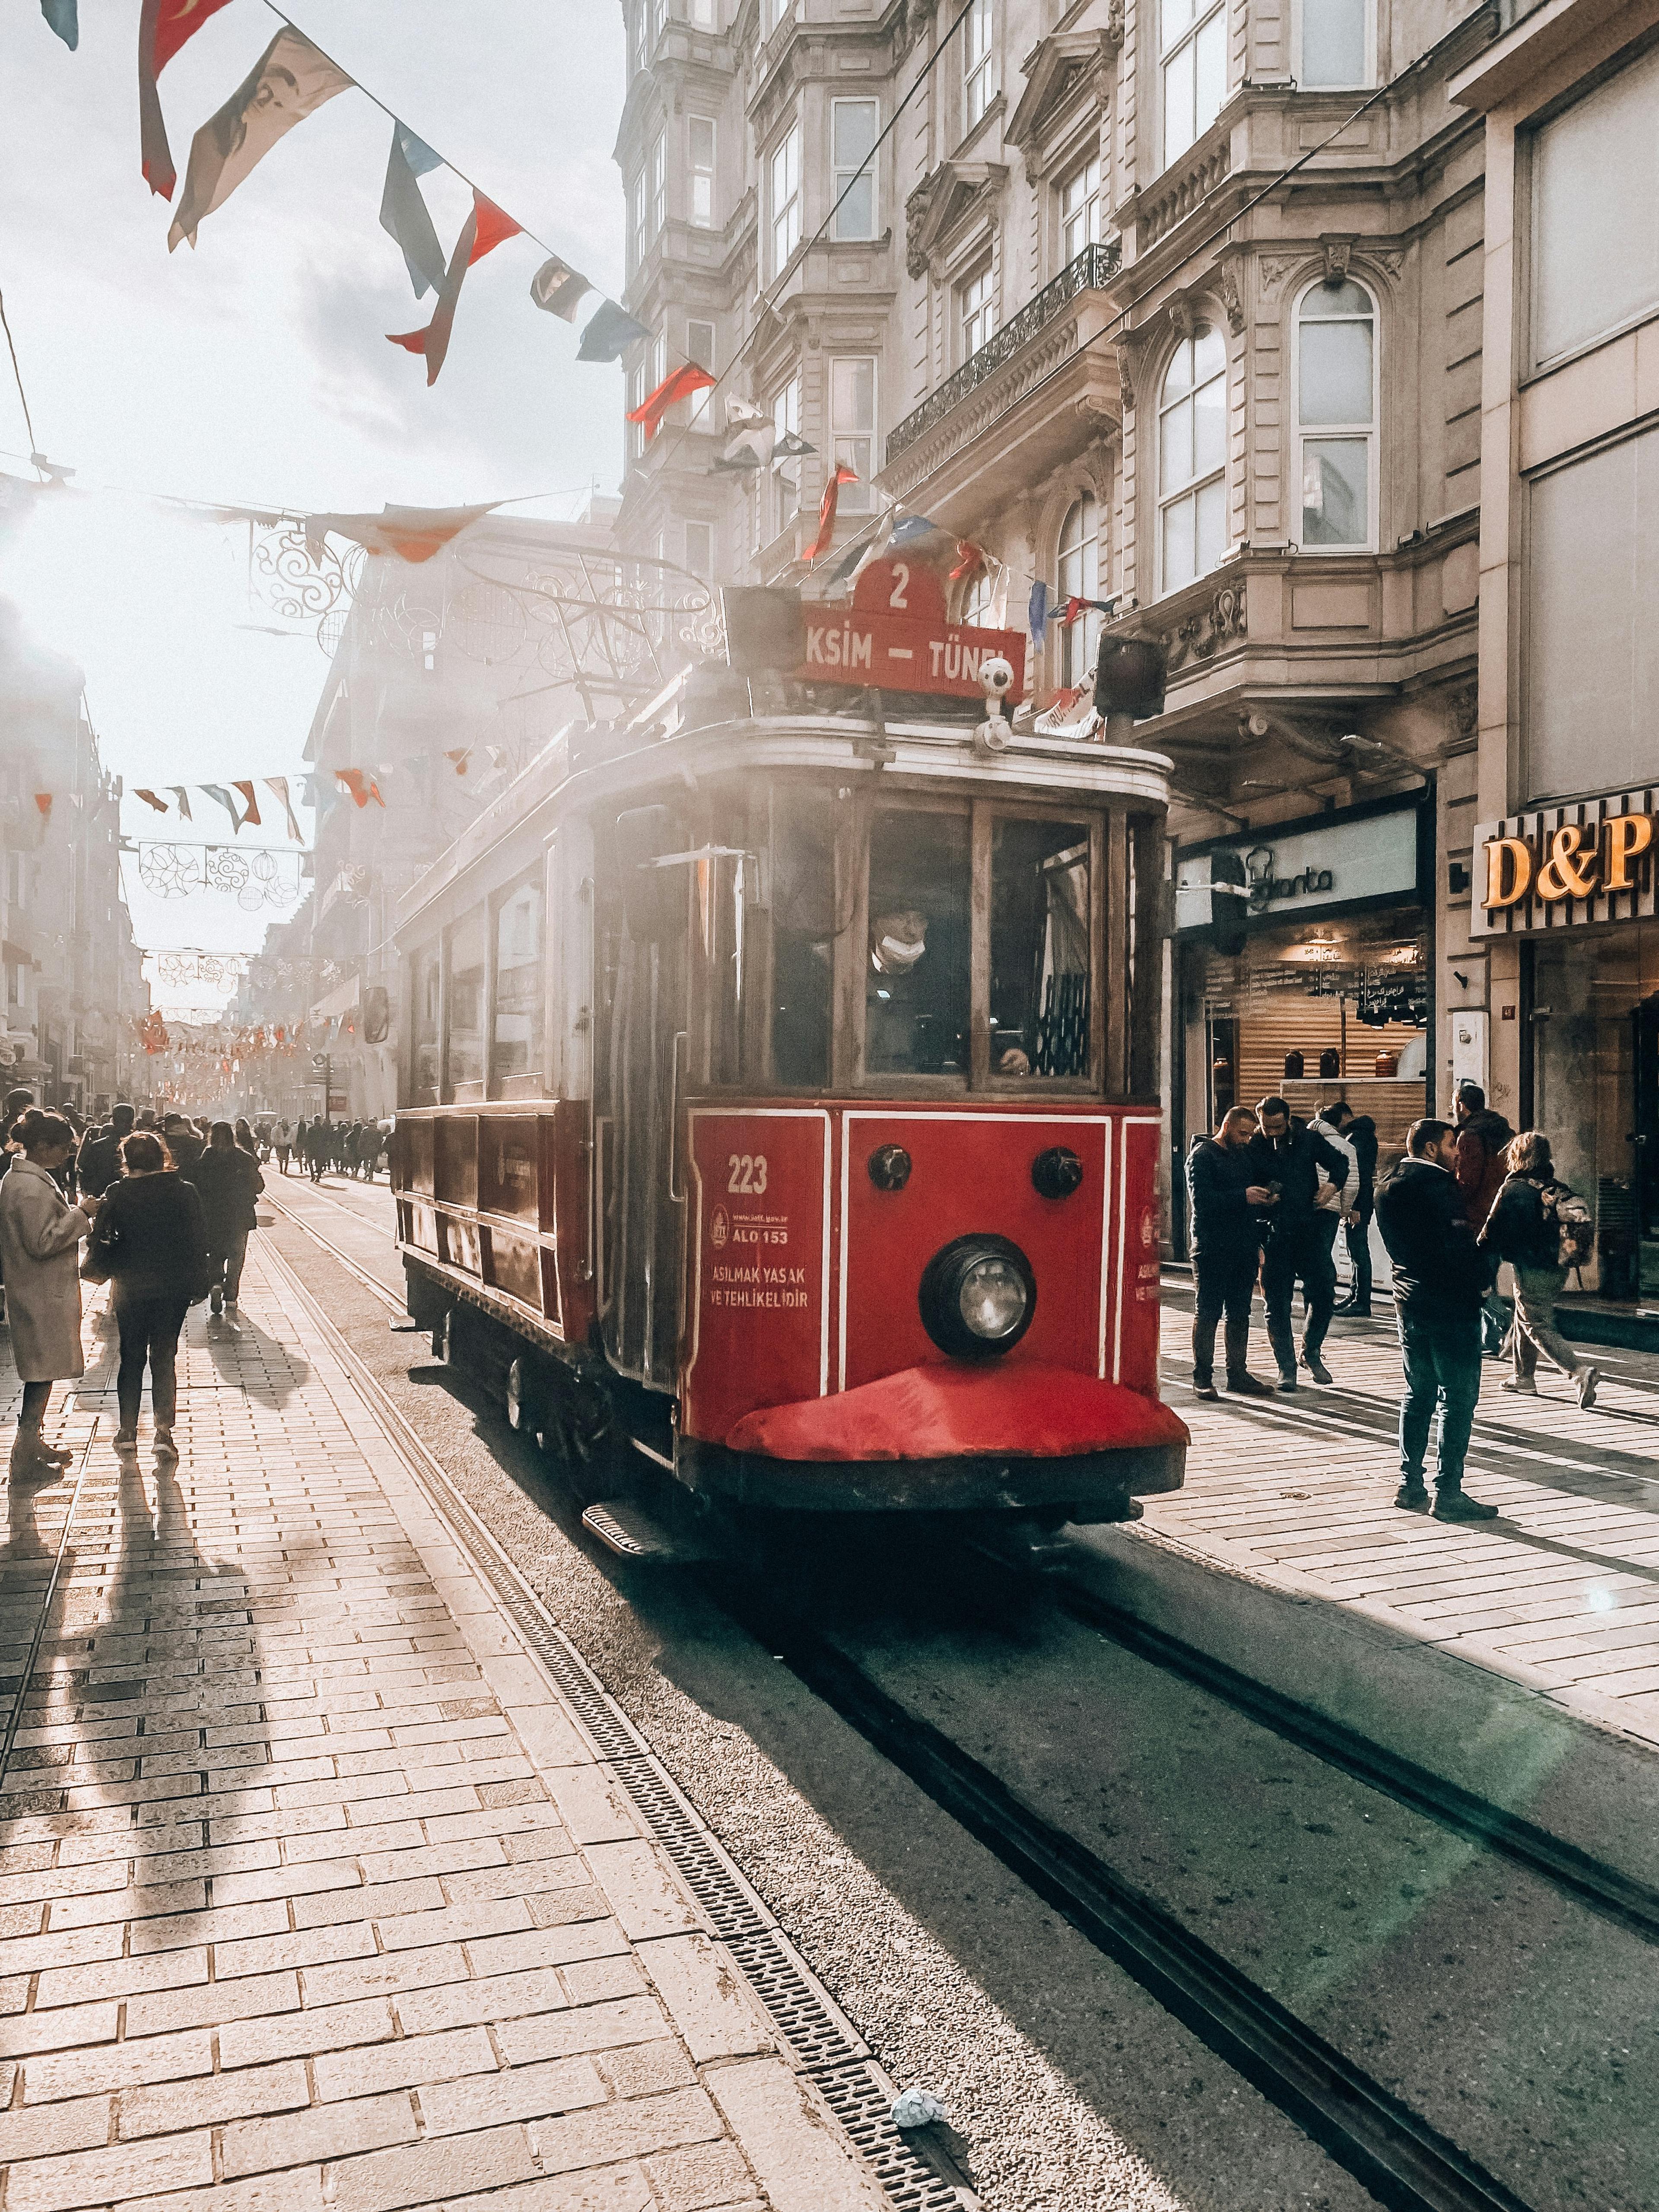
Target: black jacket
[[1517, 1229], [1438, 1272], [98, 1163], [1293, 1161], [228, 1182], [151, 1236], [1361, 1134], [1218, 1176], [186, 1148]]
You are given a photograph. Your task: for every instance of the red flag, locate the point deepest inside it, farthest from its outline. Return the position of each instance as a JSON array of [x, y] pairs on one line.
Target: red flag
[[362, 789], [461, 757], [678, 385], [43, 800], [971, 559], [1070, 610], [483, 231], [413, 533], [150, 799], [163, 27], [252, 814], [827, 507]]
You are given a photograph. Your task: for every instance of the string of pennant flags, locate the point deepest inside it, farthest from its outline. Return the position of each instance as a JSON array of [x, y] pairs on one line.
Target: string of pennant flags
[[325, 790]]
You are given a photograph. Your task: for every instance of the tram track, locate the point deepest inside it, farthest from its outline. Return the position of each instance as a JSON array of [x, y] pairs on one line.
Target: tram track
[[1394, 2152], [42, 1614]]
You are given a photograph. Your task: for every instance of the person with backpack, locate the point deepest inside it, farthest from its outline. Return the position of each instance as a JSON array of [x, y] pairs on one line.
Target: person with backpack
[[1543, 1228], [1482, 1137]]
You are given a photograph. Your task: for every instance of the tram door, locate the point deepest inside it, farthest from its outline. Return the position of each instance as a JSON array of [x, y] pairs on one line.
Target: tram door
[[642, 1194]]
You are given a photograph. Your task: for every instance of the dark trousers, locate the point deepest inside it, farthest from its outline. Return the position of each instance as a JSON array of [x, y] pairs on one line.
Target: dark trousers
[[1358, 1242], [1223, 1283], [1442, 1356], [150, 1322], [315, 1163], [1299, 1251], [226, 1257]]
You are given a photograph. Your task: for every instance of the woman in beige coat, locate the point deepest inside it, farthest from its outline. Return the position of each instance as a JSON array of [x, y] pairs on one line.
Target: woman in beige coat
[[41, 1235]]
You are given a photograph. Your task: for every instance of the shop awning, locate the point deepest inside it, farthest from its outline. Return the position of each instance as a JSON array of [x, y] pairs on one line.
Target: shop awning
[[342, 999]]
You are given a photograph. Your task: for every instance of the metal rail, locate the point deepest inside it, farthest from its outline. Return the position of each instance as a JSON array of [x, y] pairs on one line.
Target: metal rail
[[14, 1721]]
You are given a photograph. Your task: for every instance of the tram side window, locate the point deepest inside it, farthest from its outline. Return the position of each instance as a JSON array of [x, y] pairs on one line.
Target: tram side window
[[1039, 948], [916, 968], [467, 996], [803, 936], [518, 985], [428, 1042]]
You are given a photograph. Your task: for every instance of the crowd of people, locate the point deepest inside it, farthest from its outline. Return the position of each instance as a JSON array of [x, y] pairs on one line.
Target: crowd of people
[[1269, 1192], [352, 1148]]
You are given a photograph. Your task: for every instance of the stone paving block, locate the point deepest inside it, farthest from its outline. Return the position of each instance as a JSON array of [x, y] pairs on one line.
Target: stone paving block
[[126, 2065], [717, 2015], [489, 1997], [248, 2092], [385, 1972], [802, 2162], [40, 2131], [550, 1735], [613, 2189], [325, 2028], [414, 2063], [644, 1896], [96, 2177], [585, 2027], [298, 2189], [420, 2174], [634, 2130], [706, 2175], [593, 1805], [324, 2132], [523, 2092]]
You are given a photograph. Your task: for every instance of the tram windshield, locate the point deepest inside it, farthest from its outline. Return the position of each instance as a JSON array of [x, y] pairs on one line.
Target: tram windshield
[[916, 981], [1039, 948]]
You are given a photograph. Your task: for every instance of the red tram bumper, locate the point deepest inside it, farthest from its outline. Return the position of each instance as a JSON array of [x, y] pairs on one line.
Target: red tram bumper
[[951, 1438]]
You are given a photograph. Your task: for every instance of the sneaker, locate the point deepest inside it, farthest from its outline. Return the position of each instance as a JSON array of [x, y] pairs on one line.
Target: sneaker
[[29, 1463], [1287, 1380], [1315, 1367], [1457, 1506], [165, 1447], [1205, 1390], [1523, 1385], [216, 1300], [1352, 1312], [1412, 1497], [1246, 1386], [126, 1440], [1587, 1380]]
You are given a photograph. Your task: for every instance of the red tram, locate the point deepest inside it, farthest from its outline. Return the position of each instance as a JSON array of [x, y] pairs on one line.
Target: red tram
[[781, 1103]]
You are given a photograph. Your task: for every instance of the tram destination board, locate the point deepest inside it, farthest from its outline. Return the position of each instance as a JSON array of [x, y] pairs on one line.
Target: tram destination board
[[894, 635]]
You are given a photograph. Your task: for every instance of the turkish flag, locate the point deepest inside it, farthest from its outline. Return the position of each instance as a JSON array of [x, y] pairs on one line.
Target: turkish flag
[[680, 385], [483, 231], [827, 507], [163, 27]]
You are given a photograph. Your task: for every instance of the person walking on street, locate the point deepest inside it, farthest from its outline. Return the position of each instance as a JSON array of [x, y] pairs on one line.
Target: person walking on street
[[1538, 1225], [282, 1138], [1358, 1133], [99, 1161], [151, 1242], [41, 1235], [1287, 1158], [183, 1143], [1331, 1202], [1439, 1281], [1226, 1210], [229, 1182], [1483, 1137], [318, 1140]]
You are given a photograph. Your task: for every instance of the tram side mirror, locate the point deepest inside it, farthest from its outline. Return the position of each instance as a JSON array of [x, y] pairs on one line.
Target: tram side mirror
[[653, 898], [765, 629]]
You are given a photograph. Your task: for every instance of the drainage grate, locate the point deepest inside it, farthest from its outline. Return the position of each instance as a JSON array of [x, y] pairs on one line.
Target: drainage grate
[[783, 1987], [862, 2104]]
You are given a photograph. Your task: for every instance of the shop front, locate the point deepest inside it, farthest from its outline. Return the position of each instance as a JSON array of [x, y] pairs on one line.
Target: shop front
[[1573, 888], [1330, 994]]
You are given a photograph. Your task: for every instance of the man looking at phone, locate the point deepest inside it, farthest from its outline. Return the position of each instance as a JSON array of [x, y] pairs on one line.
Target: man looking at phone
[[1286, 1157]]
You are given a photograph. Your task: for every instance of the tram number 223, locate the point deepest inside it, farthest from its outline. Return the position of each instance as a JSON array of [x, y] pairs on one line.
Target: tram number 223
[[748, 1173]]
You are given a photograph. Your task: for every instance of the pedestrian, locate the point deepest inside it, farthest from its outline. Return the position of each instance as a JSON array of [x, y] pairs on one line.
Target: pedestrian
[[1287, 1158], [246, 1141], [1439, 1281], [151, 1242], [1359, 1131], [1331, 1200], [41, 1235], [317, 1144], [1543, 1230], [1226, 1212], [282, 1139], [182, 1142], [99, 1161], [229, 1182], [1483, 1139]]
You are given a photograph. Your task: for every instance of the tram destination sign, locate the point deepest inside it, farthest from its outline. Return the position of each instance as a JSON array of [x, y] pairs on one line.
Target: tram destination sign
[[1564, 866], [893, 634]]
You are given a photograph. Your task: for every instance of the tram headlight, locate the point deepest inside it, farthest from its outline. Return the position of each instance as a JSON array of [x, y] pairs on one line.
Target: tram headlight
[[977, 1296]]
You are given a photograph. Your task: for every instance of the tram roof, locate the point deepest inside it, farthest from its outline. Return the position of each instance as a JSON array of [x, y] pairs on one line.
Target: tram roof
[[676, 741]]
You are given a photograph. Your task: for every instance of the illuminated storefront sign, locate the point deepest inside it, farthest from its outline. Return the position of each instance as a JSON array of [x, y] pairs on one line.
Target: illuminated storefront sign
[[1370, 857], [1563, 866]]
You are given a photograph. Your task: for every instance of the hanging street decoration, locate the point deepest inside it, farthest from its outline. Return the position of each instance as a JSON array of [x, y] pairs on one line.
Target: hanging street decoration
[[840, 474], [412, 533], [558, 290], [484, 229], [163, 27], [64, 17], [361, 787], [191, 964], [403, 214], [678, 384], [290, 81], [254, 879]]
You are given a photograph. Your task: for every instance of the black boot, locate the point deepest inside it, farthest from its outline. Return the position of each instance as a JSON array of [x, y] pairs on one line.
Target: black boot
[[1451, 1502]]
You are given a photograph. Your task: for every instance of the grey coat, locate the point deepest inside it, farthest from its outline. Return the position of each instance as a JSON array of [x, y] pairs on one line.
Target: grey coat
[[40, 1237]]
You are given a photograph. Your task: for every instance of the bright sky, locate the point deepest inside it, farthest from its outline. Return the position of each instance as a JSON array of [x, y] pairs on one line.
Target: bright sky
[[256, 369]]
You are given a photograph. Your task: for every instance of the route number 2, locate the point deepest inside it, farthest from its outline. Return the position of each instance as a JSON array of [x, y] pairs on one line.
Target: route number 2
[[748, 1173], [901, 585]]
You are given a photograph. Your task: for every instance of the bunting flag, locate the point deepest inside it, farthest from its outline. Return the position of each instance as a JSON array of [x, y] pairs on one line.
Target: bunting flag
[[914, 530], [863, 550], [278, 785], [290, 81], [250, 813], [483, 231], [1074, 608], [150, 799], [163, 27], [181, 794], [217, 790], [461, 757], [403, 215], [413, 533], [1036, 613], [362, 789], [608, 333], [970, 561], [559, 290], [754, 437], [43, 800], [841, 475], [679, 384], [63, 16]]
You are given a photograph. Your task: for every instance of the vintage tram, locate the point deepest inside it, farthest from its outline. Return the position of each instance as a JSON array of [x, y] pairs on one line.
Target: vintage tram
[[780, 1091]]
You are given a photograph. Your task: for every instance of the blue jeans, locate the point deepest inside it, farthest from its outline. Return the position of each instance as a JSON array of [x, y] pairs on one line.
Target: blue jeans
[[1442, 1368]]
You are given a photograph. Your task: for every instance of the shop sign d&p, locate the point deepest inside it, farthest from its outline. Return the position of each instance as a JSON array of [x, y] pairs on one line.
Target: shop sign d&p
[[1558, 867]]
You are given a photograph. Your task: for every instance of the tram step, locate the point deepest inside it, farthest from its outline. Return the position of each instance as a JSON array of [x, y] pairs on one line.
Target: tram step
[[628, 1531]]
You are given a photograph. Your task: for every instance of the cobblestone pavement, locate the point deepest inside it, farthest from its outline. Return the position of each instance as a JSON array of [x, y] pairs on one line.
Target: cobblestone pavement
[[312, 1888], [1560, 1593]]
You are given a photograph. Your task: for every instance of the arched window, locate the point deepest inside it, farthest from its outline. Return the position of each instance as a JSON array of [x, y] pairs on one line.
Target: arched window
[[1079, 578], [978, 605], [1336, 416], [1191, 454]]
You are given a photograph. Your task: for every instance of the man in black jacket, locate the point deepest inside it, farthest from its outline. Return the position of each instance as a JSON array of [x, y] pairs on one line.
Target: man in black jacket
[[1226, 1250], [98, 1163], [1439, 1282], [1287, 1157], [1358, 1133]]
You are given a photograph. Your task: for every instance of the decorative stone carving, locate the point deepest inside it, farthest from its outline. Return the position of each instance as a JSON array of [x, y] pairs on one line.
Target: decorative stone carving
[[1336, 248], [1462, 710], [1276, 267], [1126, 375], [947, 198], [1203, 633], [1232, 297], [1182, 318]]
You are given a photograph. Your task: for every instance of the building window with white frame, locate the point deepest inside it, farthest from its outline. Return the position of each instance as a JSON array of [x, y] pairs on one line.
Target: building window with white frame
[[1193, 48], [979, 68], [1192, 459], [854, 126], [636, 399], [704, 16], [853, 426], [700, 136], [1333, 45], [700, 550], [657, 210], [700, 349], [976, 310], [1079, 210], [636, 204], [979, 605], [775, 12], [784, 181], [1336, 416], [1079, 578]]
